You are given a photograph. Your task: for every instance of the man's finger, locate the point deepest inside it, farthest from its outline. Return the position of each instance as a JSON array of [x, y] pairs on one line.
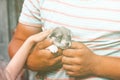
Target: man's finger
[[70, 52], [77, 45], [56, 60], [68, 67], [68, 60]]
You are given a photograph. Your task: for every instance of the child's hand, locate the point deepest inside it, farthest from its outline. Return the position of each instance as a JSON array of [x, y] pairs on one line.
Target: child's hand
[[40, 36]]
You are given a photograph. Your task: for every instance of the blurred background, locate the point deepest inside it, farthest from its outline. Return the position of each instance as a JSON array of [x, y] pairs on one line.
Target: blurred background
[[9, 14]]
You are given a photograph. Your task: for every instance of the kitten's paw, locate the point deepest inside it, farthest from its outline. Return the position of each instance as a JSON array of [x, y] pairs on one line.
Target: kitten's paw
[[53, 49]]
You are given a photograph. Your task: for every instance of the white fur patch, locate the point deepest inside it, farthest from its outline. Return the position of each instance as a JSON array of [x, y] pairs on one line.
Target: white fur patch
[[53, 49]]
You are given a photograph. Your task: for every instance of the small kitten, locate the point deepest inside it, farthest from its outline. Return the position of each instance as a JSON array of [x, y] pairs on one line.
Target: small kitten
[[61, 37]]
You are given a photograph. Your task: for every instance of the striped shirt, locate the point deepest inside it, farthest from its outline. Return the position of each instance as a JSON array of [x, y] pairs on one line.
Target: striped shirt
[[96, 23]]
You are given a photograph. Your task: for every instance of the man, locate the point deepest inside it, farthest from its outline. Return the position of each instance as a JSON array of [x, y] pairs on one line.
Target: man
[[95, 28]]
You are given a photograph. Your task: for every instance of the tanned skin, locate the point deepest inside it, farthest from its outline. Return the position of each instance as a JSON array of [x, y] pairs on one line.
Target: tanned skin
[[78, 61]]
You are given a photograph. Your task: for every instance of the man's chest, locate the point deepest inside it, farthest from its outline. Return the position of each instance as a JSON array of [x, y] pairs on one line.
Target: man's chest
[[83, 14]]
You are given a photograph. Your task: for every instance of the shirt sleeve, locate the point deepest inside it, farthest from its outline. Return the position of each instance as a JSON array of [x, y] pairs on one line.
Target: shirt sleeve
[[30, 14]]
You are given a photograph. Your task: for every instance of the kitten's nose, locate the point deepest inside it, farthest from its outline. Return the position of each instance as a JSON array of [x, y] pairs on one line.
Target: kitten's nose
[[67, 44]]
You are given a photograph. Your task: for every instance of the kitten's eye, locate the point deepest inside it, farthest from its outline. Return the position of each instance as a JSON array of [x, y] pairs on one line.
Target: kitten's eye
[[69, 37], [58, 40]]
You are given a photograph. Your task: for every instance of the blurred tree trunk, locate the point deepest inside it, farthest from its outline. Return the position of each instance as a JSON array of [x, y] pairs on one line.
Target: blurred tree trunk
[[14, 9], [4, 28], [18, 4]]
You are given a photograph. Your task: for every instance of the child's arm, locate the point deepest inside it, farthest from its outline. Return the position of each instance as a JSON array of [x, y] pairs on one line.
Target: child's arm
[[18, 61]]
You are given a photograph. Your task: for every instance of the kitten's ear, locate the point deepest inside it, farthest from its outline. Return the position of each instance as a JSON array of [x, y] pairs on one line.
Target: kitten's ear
[[52, 33]]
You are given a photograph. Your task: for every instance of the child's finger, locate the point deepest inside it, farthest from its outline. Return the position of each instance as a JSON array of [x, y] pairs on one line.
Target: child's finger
[[44, 44], [44, 34]]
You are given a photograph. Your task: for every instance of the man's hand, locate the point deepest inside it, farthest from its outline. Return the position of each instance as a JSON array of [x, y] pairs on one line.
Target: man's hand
[[41, 59], [78, 60]]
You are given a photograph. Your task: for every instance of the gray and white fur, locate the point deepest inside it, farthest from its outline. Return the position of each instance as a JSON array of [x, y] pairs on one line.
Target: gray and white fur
[[61, 37]]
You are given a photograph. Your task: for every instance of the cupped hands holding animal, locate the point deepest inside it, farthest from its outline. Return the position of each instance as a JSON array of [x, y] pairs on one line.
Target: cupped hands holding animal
[[78, 60]]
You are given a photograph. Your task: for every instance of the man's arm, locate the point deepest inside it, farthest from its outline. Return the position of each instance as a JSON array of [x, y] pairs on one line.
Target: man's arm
[[21, 34]]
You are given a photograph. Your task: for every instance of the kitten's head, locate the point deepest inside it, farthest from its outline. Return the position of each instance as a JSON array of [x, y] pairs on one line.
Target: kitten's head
[[61, 37]]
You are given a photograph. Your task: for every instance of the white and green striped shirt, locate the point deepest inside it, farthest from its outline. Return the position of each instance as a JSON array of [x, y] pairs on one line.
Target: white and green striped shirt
[[96, 23]]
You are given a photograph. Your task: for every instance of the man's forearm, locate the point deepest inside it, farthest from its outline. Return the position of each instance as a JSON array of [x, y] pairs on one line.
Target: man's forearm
[[13, 47], [108, 67]]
